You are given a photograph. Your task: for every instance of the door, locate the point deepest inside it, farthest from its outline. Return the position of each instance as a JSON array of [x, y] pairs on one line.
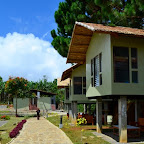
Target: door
[[33, 104]]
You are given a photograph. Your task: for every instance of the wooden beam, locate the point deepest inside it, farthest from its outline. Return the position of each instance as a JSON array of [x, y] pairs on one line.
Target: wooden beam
[[81, 40], [76, 61], [82, 30], [83, 35], [77, 54]]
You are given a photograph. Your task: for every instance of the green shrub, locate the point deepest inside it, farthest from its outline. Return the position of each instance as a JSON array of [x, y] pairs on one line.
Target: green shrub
[[4, 117], [29, 116], [81, 121]]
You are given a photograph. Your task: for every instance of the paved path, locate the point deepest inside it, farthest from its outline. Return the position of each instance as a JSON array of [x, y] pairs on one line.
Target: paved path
[[41, 132], [3, 123]]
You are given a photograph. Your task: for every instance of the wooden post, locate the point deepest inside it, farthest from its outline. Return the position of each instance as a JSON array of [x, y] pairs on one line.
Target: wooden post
[[136, 111], [99, 114], [122, 115], [105, 112], [89, 109]]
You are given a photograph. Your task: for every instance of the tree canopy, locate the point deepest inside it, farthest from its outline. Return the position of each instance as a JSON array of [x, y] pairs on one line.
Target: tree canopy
[[128, 13], [17, 86]]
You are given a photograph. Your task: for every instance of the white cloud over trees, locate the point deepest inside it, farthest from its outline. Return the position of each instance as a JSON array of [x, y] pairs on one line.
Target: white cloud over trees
[[27, 56]]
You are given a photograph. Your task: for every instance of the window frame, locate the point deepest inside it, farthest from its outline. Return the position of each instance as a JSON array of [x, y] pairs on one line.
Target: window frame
[[82, 85], [131, 69], [93, 70]]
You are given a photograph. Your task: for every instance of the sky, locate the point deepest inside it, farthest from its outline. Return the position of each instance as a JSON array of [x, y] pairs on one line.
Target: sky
[[25, 40]]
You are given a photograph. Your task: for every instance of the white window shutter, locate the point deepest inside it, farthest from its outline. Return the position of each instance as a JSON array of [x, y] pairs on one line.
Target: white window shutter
[[97, 71]]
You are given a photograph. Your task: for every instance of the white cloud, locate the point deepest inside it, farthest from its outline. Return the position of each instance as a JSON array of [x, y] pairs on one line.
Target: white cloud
[[16, 19], [25, 55]]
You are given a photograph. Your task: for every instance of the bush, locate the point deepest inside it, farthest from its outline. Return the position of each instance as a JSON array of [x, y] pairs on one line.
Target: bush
[[81, 121], [4, 117], [16, 130], [29, 116]]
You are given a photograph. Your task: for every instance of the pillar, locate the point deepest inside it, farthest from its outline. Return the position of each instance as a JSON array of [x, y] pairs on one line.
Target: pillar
[[122, 115], [105, 112], [136, 111], [69, 107], [89, 109], [74, 109], [84, 108], [99, 114]]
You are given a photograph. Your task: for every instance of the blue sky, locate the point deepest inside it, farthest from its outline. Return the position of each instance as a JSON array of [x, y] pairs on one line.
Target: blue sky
[[28, 16], [25, 40]]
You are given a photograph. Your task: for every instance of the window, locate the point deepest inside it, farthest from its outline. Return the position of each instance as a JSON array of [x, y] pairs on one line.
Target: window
[[79, 85], [134, 65], [96, 70], [92, 72], [84, 85], [121, 64], [70, 88], [134, 58], [125, 58], [67, 93]]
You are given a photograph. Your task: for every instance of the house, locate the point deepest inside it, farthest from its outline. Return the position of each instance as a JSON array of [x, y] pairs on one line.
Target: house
[[77, 88], [75, 91], [65, 85], [42, 100], [114, 59]]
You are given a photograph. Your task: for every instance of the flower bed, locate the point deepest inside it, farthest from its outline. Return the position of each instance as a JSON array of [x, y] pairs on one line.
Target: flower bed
[[4, 117], [16, 130]]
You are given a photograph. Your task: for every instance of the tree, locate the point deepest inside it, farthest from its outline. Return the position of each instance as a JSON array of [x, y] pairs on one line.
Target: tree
[[2, 86], [128, 13], [17, 87]]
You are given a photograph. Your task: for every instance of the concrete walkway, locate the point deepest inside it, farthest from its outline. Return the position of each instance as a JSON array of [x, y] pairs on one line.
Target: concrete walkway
[[41, 132]]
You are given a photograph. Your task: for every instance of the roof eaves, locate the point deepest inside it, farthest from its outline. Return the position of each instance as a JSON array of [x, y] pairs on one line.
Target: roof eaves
[[86, 26]]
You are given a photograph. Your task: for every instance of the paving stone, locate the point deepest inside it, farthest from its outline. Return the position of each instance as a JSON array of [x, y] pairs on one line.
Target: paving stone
[[41, 132]]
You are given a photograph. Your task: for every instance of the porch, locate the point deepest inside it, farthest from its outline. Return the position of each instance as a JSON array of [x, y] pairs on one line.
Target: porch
[[128, 118]]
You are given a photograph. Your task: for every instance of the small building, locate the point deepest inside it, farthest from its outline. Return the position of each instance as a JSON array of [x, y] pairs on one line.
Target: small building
[[75, 91], [43, 100], [65, 85], [114, 59]]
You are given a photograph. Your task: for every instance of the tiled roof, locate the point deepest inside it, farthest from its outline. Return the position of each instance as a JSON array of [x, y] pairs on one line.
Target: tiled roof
[[116, 29], [62, 84], [83, 32]]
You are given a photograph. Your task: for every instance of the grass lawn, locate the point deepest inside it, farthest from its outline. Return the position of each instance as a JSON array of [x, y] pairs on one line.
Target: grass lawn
[[78, 134], [5, 129], [5, 111]]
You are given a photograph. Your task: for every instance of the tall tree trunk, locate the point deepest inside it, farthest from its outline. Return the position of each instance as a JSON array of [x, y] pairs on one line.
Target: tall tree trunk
[[16, 104]]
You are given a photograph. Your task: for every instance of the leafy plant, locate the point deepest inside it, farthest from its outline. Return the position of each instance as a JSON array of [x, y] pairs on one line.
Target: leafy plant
[[17, 87], [81, 121], [5, 117], [16, 130]]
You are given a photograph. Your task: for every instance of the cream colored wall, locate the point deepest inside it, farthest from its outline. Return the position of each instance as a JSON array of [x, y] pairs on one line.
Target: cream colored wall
[[129, 88], [100, 43], [44, 103]]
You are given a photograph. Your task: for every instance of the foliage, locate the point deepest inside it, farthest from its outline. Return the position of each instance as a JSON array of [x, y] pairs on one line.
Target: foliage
[[81, 107], [30, 116], [4, 117], [128, 13], [2, 85], [16, 130], [17, 86], [81, 121], [6, 129]]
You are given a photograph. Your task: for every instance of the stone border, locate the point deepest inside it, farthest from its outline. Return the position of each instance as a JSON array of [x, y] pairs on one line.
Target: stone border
[[105, 137]]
